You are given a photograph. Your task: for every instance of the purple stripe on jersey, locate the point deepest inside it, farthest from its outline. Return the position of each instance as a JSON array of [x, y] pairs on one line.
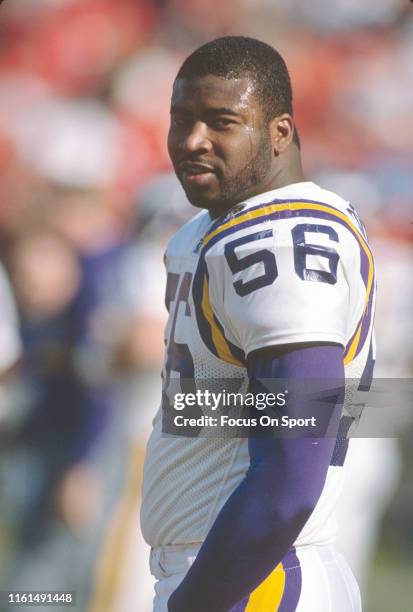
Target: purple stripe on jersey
[[203, 325], [365, 322], [364, 268], [197, 293], [290, 560], [341, 446], [230, 216], [349, 343], [293, 583], [240, 210], [240, 606], [287, 201], [365, 318], [367, 376]]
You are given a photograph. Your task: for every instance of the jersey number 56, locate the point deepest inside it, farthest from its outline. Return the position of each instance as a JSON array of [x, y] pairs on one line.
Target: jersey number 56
[[302, 250]]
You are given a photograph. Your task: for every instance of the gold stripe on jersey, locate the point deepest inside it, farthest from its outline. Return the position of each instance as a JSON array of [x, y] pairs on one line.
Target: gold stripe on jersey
[[352, 350], [272, 208], [218, 338], [268, 595]]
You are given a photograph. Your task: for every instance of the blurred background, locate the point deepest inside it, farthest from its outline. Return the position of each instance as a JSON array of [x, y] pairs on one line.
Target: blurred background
[[87, 204]]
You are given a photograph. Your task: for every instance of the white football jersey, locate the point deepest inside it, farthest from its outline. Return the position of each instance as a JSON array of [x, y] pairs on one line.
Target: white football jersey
[[290, 265]]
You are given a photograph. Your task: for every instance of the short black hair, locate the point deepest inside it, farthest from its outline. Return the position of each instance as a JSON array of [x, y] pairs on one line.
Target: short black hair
[[235, 57]]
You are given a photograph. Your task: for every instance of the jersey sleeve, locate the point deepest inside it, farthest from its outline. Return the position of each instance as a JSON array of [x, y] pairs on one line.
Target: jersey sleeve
[[287, 281]]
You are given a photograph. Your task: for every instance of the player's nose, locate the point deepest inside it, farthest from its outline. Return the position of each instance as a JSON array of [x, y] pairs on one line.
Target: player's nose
[[197, 138]]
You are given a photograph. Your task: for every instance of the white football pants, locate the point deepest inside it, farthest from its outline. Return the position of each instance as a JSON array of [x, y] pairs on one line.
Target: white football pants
[[310, 579]]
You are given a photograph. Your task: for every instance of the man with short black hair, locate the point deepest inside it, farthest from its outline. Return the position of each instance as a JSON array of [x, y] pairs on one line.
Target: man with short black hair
[[274, 281]]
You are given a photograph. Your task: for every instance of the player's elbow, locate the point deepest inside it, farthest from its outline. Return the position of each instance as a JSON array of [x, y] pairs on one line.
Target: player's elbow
[[301, 515], [279, 529], [291, 517]]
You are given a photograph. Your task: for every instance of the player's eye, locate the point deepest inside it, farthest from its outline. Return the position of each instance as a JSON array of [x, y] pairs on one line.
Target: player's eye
[[222, 122], [179, 121]]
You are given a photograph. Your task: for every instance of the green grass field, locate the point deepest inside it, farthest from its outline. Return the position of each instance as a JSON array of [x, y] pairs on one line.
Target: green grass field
[[390, 587]]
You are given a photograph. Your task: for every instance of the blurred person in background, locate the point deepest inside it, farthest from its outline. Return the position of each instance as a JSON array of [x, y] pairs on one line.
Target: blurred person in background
[[10, 344], [10, 349], [10, 355], [64, 272], [56, 488]]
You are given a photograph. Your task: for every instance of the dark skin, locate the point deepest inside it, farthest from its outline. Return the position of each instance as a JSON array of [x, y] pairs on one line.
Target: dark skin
[[223, 148]]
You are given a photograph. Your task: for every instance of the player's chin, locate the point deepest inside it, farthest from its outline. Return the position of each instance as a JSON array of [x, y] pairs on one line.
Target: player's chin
[[209, 203], [202, 198]]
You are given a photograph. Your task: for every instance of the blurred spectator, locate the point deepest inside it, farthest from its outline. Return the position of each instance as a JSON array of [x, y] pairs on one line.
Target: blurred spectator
[[47, 280], [9, 335], [74, 44], [10, 349], [345, 15]]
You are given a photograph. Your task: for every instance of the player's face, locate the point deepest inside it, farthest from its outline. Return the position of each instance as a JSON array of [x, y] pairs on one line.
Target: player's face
[[219, 141]]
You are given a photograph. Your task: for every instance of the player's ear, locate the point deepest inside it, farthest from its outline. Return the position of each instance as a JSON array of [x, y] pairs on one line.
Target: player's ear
[[282, 132]]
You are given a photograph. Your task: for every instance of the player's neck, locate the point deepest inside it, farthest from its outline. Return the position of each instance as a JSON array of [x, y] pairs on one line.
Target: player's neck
[[289, 172]]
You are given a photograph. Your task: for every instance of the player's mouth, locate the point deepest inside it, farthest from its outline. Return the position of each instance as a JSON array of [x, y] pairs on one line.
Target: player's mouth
[[197, 174]]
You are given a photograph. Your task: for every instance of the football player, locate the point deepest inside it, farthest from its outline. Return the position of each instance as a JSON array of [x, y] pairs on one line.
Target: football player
[[273, 280]]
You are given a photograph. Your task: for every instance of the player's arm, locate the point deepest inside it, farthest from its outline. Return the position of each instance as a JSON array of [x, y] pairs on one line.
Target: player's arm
[[265, 514]]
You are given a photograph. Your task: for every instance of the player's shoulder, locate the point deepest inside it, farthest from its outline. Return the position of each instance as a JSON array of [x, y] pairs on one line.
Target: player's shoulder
[[189, 234], [331, 198], [297, 196], [291, 204]]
